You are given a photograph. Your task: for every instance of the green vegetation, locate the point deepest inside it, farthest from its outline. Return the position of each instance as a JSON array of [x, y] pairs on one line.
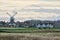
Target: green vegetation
[[28, 30], [12, 28], [7, 33]]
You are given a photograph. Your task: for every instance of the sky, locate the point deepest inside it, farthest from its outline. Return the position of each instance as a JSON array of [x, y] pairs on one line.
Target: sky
[[30, 9]]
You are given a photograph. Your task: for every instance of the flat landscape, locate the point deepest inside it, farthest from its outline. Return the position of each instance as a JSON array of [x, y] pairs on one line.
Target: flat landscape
[[28, 30], [29, 33], [29, 36]]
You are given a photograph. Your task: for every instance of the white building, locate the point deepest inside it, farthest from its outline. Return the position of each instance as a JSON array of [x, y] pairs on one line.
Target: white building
[[44, 25]]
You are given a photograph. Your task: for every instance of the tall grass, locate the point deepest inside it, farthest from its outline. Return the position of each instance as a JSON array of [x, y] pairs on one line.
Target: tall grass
[[29, 36]]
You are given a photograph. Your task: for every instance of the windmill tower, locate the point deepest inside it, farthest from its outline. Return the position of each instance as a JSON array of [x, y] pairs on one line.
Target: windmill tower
[[12, 17]]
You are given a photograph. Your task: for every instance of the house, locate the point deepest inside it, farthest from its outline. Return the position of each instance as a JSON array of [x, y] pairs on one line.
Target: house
[[39, 23], [57, 24], [44, 25]]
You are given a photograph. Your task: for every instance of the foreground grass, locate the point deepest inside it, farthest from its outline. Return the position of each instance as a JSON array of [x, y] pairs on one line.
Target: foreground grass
[[29, 36]]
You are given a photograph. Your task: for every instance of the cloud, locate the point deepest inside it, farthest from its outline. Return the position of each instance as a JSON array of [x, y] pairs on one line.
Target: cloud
[[31, 9], [45, 5], [41, 10], [48, 0], [35, 0]]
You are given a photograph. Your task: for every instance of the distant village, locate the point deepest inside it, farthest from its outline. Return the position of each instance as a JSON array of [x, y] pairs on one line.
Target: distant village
[[31, 23]]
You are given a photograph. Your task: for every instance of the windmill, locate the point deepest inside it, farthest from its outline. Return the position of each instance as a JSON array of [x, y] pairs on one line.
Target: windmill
[[12, 16]]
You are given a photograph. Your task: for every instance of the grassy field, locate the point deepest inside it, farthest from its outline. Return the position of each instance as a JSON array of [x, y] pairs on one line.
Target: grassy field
[[29, 33], [29, 36], [27, 30]]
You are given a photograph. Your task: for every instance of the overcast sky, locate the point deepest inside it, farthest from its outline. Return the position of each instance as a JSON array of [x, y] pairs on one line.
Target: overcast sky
[[30, 9]]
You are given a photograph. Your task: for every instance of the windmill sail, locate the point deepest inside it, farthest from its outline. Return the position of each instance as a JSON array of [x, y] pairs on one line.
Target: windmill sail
[[8, 14], [14, 14], [12, 17]]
